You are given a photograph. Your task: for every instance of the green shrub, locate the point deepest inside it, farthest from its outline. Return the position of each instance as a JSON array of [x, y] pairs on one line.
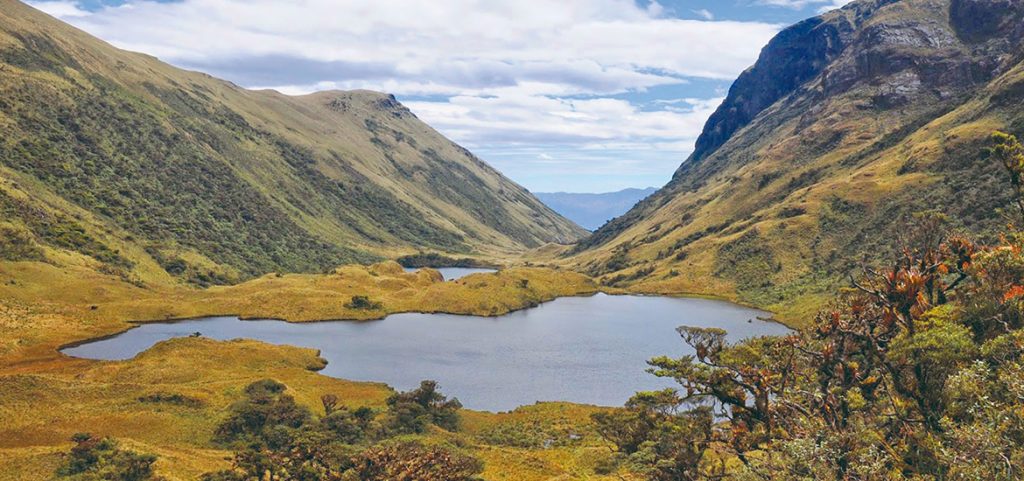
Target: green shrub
[[264, 415], [363, 303], [413, 411], [16, 244], [101, 459]]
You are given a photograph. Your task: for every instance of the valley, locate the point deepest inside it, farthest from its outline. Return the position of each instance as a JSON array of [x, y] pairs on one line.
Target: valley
[[226, 284]]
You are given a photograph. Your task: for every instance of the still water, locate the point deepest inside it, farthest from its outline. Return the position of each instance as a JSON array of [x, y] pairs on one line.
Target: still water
[[452, 273], [589, 350]]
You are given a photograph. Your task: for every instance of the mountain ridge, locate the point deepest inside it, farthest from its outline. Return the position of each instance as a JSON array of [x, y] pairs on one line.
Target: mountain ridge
[[776, 201], [152, 168]]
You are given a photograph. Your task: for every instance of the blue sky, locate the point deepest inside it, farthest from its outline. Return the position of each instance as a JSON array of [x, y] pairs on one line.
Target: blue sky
[[573, 95]]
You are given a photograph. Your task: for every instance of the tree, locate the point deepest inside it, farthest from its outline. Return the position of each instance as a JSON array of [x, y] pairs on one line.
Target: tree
[[413, 411], [657, 439], [1009, 152], [744, 381]]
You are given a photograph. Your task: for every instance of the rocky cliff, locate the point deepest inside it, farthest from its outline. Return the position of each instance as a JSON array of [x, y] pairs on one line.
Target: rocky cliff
[[847, 125]]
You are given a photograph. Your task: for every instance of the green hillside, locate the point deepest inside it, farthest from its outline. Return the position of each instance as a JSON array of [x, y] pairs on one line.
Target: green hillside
[[116, 160], [847, 125]]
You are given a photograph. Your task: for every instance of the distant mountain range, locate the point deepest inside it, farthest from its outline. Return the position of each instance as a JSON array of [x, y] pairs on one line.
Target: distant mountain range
[[592, 210]]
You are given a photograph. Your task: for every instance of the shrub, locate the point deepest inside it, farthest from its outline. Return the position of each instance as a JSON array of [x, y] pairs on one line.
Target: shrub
[[414, 462], [413, 411], [265, 415], [171, 398], [349, 427], [16, 244], [363, 303], [101, 459]]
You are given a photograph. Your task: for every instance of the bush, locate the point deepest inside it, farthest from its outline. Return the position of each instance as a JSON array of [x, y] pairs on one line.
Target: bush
[[100, 459], [349, 427], [363, 303], [265, 415], [413, 411], [16, 244], [414, 462]]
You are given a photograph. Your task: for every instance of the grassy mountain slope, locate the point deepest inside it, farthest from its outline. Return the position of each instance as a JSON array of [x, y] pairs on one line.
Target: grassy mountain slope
[[846, 124], [116, 160]]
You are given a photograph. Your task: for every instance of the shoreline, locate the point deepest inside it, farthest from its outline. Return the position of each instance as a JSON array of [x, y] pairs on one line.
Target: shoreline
[[134, 324]]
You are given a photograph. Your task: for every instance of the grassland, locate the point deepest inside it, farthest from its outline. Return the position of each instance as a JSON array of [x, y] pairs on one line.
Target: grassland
[[47, 396]]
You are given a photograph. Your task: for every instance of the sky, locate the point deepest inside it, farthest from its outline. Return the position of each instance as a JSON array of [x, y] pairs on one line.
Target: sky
[[560, 95]]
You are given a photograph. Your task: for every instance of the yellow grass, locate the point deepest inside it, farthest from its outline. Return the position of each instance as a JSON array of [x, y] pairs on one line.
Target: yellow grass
[[47, 397]]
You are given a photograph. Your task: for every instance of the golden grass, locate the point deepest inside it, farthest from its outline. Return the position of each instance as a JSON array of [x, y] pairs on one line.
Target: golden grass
[[47, 397], [45, 306]]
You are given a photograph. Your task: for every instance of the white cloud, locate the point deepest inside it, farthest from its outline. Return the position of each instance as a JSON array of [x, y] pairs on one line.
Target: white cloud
[[797, 4], [517, 74], [61, 9], [705, 14], [834, 4]]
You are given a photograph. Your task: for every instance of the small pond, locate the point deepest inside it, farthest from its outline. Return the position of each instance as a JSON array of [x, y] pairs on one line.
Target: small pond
[[589, 350], [452, 273]]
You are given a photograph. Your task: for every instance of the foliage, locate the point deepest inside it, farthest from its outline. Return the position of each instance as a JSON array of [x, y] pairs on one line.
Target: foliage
[[159, 174], [435, 260], [1008, 151], [264, 415], [16, 244], [101, 459], [363, 303], [748, 261], [913, 374], [276, 439], [658, 439], [174, 399], [413, 462], [413, 411], [57, 230]]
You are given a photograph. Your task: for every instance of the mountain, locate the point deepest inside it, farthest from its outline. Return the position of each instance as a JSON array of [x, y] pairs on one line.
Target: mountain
[[846, 126], [116, 160], [592, 210]]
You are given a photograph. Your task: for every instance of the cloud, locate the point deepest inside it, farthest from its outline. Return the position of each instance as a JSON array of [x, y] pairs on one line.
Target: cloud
[[518, 75], [799, 4], [61, 9], [705, 14]]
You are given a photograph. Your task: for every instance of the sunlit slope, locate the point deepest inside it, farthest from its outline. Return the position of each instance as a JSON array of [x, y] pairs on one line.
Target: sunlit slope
[[847, 125], [117, 160]]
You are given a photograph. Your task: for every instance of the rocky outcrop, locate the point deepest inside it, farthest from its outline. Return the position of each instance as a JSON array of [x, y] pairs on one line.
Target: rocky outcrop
[[902, 57], [981, 20], [796, 55], [846, 123]]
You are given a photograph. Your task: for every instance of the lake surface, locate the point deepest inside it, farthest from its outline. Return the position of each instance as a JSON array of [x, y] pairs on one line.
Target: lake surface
[[589, 350], [452, 273]]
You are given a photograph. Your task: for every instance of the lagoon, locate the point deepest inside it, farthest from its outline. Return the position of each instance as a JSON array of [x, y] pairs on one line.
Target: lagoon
[[590, 350]]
